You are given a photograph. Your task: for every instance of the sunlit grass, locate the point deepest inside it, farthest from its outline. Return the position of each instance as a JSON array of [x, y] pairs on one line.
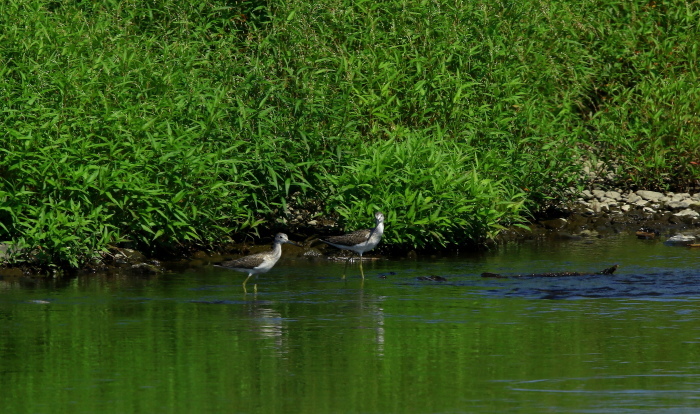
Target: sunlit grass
[[176, 123]]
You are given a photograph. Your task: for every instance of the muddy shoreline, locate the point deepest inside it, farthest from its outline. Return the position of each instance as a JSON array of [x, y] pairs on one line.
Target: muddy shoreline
[[593, 214]]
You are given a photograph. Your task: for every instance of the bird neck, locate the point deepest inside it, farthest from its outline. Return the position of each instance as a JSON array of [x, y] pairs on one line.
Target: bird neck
[[377, 231], [277, 250]]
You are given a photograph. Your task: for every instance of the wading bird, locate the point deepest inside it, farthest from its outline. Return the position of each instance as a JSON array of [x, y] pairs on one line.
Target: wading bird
[[257, 263], [359, 241]]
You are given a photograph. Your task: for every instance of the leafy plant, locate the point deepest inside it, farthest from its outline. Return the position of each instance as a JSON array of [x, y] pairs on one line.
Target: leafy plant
[[168, 124]]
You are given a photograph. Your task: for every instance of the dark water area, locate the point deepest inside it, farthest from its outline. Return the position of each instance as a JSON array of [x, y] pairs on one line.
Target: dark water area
[[309, 342]]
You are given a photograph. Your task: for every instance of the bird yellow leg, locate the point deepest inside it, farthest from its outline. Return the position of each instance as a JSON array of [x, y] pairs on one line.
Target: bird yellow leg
[[244, 282], [361, 271], [255, 288]]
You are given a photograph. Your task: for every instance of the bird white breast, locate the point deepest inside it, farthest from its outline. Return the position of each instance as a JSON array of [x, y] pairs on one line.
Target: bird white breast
[[373, 240]]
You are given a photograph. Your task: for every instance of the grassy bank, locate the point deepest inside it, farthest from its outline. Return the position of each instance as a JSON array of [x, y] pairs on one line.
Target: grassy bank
[[172, 123]]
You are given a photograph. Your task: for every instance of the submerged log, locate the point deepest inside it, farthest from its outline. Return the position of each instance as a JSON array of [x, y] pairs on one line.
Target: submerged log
[[607, 271], [432, 278]]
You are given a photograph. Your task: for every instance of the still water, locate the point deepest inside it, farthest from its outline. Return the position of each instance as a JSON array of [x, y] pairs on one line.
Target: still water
[[190, 341]]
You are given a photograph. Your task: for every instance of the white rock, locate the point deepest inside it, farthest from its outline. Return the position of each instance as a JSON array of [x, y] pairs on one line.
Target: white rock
[[687, 213], [613, 194], [678, 205], [650, 195], [680, 240], [633, 198], [680, 197]]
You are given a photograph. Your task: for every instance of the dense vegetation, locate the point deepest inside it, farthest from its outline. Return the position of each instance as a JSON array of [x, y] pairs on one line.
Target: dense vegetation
[[177, 122]]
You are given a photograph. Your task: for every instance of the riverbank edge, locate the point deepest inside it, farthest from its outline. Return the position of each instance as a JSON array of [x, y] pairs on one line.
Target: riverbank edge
[[590, 214], [598, 213]]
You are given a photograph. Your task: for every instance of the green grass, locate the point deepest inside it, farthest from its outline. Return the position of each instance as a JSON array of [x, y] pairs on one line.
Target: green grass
[[168, 124]]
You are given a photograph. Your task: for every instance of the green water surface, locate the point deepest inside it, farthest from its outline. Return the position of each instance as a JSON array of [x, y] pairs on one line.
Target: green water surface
[[191, 341]]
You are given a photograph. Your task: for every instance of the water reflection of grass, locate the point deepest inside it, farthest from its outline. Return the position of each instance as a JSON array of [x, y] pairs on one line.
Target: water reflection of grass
[[172, 123]]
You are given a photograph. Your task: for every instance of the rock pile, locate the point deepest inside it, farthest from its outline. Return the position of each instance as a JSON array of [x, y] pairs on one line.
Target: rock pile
[[597, 213], [677, 208]]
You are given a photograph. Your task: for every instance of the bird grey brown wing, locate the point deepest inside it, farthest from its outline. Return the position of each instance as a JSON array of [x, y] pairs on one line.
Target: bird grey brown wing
[[350, 239], [245, 262]]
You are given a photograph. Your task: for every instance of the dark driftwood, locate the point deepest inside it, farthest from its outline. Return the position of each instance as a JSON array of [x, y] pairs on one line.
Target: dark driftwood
[[607, 271], [432, 278]]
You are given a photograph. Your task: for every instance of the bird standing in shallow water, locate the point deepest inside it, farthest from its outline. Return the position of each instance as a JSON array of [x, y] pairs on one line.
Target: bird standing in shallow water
[[359, 241], [259, 262]]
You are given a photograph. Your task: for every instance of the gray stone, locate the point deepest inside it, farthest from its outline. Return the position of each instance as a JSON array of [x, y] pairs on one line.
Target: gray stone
[[687, 213], [588, 233], [313, 252], [633, 198], [680, 197], [678, 205], [680, 240], [614, 195], [599, 194], [650, 195]]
